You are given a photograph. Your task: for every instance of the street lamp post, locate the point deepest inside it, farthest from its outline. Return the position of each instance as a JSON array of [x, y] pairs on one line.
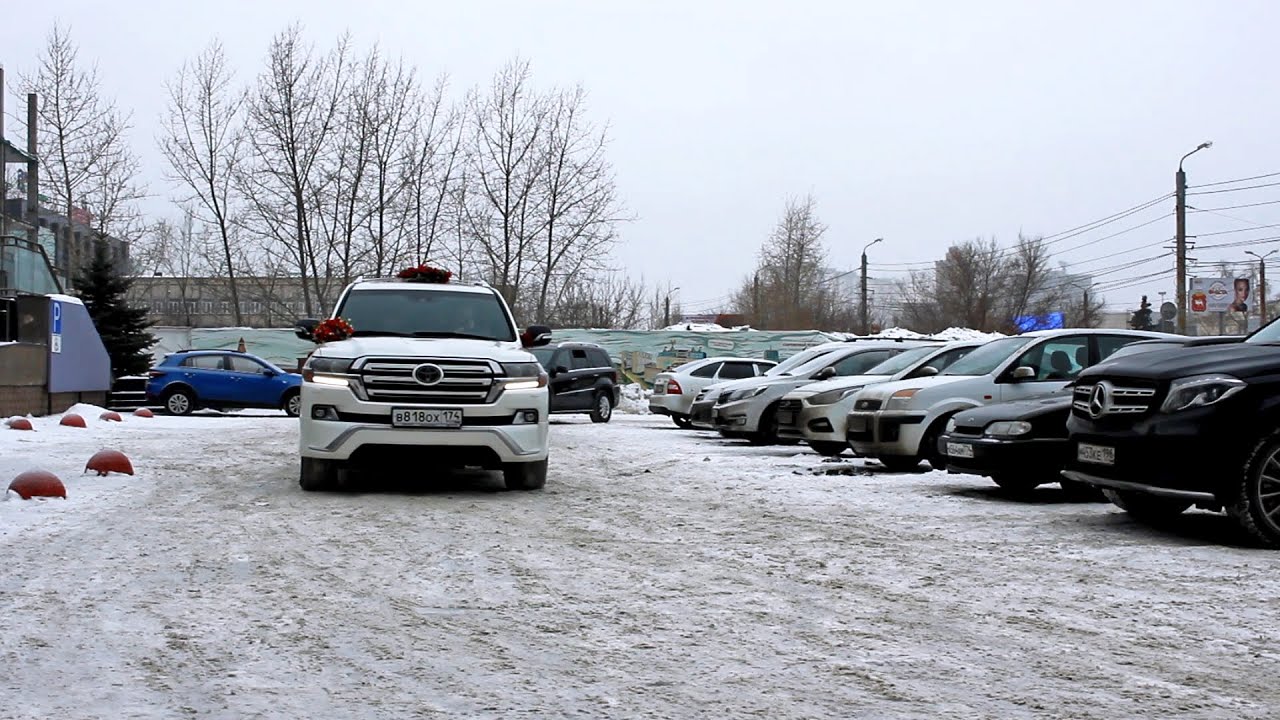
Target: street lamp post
[[1262, 284], [862, 315], [1180, 192]]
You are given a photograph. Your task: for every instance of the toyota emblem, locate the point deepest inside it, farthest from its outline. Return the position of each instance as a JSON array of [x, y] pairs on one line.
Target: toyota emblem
[[428, 374], [1099, 400]]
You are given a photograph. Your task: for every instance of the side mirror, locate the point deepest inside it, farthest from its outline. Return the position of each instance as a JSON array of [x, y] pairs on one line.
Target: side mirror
[[1023, 373], [559, 370], [825, 373], [269, 373], [535, 336], [304, 329], [926, 371]]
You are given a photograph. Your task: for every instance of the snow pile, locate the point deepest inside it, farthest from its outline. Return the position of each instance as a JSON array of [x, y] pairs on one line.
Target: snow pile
[[961, 334], [704, 328], [952, 334], [633, 400]]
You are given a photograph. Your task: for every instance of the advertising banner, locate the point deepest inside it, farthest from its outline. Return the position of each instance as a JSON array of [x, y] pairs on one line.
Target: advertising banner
[[1220, 295]]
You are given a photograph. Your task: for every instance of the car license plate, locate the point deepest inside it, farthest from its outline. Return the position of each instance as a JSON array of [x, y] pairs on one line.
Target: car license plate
[[960, 450], [426, 418], [1096, 454], [786, 418]]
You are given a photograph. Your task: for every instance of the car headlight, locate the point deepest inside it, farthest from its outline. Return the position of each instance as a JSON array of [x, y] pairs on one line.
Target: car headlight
[[524, 376], [326, 370], [1199, 391], [831, 397], [901, 399], [745, 394], [1011, 429]]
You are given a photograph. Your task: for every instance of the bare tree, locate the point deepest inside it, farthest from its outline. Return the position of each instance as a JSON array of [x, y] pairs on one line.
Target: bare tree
[[291, 116], [394, 111], [179, 254], [202, 140], [579, 203], [83, 145], [435, 184], [607, 300], [788, 289], [505, 165]]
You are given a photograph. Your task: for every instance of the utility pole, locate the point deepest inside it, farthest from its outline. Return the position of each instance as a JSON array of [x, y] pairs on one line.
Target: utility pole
[[755, 301], [1180, 192], [1262, 284], [33, 179], [862, 316], [666, 311]]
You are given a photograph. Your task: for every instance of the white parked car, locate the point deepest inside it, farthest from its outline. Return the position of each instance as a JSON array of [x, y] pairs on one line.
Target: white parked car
[[434, 375], [750, 408], [702, 413], [900, 422], [816, 413], [675, 390]]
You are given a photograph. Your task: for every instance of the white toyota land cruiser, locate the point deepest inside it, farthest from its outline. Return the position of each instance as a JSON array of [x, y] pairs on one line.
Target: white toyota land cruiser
[[423, 375]]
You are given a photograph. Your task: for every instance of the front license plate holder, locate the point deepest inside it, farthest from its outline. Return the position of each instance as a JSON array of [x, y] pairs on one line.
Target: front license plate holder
[[959, 450], [1096, 454], [429, 418]]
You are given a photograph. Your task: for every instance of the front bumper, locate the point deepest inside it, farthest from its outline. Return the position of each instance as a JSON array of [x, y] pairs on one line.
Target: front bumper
[[823, 423], [1196, 451], [489, 433], [995, 456], [884, 433], [702, 415], [738, 416]]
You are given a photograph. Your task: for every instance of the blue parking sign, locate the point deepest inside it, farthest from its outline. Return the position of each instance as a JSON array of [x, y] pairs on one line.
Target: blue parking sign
[[57, 318]]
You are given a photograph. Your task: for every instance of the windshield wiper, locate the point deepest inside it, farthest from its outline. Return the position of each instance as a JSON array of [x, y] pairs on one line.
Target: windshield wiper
[[377, 333], [443, 334]]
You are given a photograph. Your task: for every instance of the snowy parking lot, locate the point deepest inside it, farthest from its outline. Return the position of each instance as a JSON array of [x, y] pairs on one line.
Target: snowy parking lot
[[661, 573]]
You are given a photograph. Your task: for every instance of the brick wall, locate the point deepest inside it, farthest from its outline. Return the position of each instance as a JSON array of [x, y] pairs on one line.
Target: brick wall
[[22, 400], [59, 402]]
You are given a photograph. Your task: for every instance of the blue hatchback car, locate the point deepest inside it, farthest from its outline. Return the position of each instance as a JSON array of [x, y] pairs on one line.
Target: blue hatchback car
[[221, 380]]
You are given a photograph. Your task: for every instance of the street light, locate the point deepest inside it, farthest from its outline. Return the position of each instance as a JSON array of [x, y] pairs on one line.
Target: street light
[[866, 326], [1180, 235], [1262, 283]]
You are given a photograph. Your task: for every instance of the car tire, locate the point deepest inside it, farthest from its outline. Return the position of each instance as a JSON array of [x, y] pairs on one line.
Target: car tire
[[292, 404], [1146, 508], [767, 431], [525, 476], [682, 422], [601, 408], [899, 464], [829, 449], [318, 475], [1081, 492], [929, 451], [179, 401], [1246, 503]]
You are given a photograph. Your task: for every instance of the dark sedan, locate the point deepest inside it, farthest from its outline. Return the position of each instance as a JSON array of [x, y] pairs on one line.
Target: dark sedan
[[1023, 445]]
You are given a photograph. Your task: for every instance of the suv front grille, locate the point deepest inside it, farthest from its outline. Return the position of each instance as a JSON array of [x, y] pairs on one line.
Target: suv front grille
[[391, 380], [1111, 400]]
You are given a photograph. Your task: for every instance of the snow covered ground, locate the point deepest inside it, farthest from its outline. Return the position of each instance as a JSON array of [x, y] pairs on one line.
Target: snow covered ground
[[661, 574]]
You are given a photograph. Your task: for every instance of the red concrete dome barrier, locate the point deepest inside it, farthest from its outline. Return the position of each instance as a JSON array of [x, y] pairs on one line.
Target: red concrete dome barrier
[[19, 424], [38, 483], [110, 416], [143, 413], [72, 420], [109, 461]]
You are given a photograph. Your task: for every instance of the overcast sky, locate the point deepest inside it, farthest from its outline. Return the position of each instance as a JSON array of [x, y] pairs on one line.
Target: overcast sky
[[924, 123]]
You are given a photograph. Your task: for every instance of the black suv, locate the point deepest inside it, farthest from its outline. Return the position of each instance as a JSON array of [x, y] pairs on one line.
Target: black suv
[[583, 379], [1163, 431]]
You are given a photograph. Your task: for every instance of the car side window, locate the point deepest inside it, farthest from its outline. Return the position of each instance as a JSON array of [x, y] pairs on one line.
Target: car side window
[[736, 371], [862, 362], [601, 359], [706, 371], [204, 362], [1108, 344], [1061, 358], [580, 360], [245, 365]]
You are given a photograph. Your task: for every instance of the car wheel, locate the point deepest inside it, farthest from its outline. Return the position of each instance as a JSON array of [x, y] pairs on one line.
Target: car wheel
[[930, 451], [682, 422], [318, 475], [1081, 492], [1254, 502], [767, 431], [829, 449], [602, 410], [292, 405], [1016, 483], [900, 464], [1146, 508], [179, 402], [525, 476]]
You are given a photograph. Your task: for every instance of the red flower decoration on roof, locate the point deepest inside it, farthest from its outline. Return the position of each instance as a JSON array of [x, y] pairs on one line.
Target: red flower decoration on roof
[[332, 330], [425, 274]]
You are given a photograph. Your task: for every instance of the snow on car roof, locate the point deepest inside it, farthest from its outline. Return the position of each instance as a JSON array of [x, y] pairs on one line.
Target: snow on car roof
[[393, 284]]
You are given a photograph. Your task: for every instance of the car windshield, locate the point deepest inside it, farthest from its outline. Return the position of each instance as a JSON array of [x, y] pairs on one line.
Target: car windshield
[[813, 364], [800, 358], [902, 361], [421, 312], [1268, 334], [984, 360], [1141, 347]]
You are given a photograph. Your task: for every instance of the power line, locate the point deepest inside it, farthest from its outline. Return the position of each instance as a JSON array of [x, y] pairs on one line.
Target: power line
[[1239, 189], [1233, 207], [1229, 182]]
